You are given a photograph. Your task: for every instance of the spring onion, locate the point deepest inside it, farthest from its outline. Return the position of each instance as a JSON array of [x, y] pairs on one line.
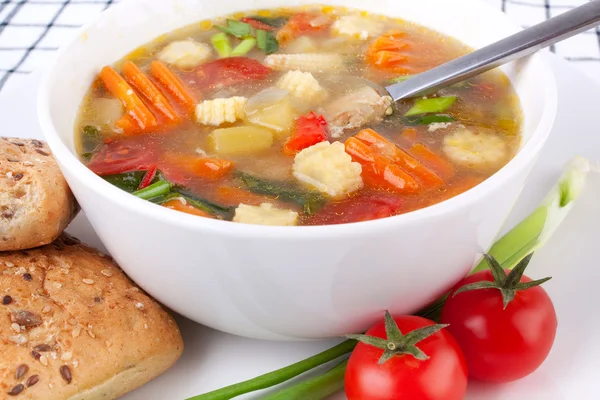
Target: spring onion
[[529, 235], [535, 230], [318, 387], [157, 189], [274, 22], [266, 41], [244, 47], [238, 29], [281, 375], [399, 79], [428, 119], [431, 105], [204, 205], [222, 45]]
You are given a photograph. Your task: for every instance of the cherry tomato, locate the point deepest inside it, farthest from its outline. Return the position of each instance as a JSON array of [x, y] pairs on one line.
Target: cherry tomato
[[118, 157], [310, 129], [501, 345], [442, 376], [362, 207], [229, 71]]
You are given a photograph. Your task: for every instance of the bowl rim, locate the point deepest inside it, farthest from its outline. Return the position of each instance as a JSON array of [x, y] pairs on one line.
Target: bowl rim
[[66, 159]]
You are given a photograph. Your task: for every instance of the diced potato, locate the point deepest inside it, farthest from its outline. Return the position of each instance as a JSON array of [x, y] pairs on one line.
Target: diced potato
[[240, 139], [107, 111], [265, 214], [185, 54], [303, 44], [357, 27], [278, 116]]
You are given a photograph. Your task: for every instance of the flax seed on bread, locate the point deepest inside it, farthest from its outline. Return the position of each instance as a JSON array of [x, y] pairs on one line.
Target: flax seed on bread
[[75, 327], [36, 204]]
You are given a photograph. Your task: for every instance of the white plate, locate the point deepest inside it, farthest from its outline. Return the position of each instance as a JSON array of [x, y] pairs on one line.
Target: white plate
[[213, 359]]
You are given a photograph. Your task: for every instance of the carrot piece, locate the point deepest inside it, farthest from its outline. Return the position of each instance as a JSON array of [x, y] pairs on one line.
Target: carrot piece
[[379, 171], [233, 196], [173, 85], [301, 24], [409, 135], [138, 117], [149, 91], [434, 161], [203, 167], [178, 205], [424, 175]]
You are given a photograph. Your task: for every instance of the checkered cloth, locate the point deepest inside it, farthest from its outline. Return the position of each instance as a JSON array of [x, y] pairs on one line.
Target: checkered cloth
[[31, 30]]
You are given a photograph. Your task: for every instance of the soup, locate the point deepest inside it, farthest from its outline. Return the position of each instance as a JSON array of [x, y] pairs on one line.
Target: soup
[[276, 118]]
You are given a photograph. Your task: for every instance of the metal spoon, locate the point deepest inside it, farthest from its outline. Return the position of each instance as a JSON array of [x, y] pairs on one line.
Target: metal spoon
[[506, 50]]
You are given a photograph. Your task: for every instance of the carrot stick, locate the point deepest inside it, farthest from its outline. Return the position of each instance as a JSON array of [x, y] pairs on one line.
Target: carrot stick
[[151, 93], [408, 163], [437, 163], [203, 167], [379, 171], [409, 135], [178, 205], [173, 85], [138, 117]]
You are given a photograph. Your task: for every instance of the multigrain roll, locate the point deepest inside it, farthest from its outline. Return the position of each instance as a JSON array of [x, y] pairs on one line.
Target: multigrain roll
[[75, 327], [36, 204]]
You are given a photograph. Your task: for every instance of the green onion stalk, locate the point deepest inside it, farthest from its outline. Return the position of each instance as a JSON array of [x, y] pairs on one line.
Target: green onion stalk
[[525, 238]]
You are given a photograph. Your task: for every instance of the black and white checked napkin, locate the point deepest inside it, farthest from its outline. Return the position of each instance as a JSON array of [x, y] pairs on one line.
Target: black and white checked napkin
[[32, 30]]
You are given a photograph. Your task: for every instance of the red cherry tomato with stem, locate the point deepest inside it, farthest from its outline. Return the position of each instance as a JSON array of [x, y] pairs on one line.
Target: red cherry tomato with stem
[[406, 357], [504, 322]]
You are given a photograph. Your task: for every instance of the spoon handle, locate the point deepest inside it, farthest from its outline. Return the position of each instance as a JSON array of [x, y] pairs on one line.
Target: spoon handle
[[508, 49]]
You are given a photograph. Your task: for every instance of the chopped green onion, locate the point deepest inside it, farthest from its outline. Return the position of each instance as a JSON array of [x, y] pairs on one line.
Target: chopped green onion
[[311, 201], [399, 79], [221, 43], [274, 22], [238, 29], [157, 189], [128, 181], [431, 105], [244, 47], [429, 119], [535, 230], [279, 376], [266, 41]]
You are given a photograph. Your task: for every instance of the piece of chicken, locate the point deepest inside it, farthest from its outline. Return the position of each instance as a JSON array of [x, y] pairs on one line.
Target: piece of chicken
[[356, 109]]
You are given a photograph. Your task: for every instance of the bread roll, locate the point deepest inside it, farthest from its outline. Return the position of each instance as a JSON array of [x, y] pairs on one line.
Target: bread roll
[[36, 204], [75, 327]]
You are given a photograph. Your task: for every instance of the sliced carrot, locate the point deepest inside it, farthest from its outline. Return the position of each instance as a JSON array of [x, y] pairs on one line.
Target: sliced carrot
[[138, 117], [409, 135], [203, 167], [173, 85], [136, 78], [178, 205], [379, 171], [427, 178], [434, 161], [233, 196]]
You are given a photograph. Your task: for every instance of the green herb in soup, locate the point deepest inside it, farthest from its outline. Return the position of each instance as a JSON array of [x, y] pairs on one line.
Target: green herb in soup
[[269, 118]]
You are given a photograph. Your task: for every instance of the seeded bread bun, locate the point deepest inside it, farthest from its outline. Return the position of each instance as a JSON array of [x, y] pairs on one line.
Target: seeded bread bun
[[75, 327], [36, 204]]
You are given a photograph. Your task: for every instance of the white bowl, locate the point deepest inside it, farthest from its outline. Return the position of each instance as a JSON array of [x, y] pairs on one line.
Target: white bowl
[[289, 282]]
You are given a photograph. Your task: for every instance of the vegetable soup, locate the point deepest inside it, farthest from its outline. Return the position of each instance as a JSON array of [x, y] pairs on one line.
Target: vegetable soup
[[277, 118]]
